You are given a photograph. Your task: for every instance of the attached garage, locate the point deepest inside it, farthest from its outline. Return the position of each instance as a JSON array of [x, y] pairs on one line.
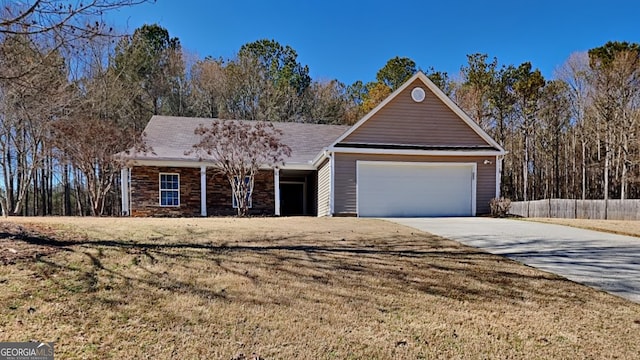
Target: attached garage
[[406, 189]]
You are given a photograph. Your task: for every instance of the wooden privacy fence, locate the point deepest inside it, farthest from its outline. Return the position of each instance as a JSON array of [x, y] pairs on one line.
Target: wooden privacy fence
[[578, 209]]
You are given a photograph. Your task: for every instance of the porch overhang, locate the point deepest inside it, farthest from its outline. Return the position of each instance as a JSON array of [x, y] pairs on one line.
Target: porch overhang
[[198, 164]]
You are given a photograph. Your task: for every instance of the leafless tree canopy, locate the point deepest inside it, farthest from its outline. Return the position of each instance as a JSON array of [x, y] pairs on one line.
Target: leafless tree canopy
[[60, 18], [55, 24], [238, 149], [59, 129]]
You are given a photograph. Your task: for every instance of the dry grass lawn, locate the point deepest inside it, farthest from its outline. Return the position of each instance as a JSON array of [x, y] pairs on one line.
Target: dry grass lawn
[[622, 227], [290, 288]]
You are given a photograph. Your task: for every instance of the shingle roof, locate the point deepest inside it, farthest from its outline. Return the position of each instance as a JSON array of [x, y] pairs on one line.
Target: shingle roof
[[170, 137]]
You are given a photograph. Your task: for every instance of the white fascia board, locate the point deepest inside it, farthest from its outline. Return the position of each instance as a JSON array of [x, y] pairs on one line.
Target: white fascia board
[[297, 166], [169, 163], [499, 159], [332, 180], [342, 150], [426, 164], [324, 154], [198, 164]]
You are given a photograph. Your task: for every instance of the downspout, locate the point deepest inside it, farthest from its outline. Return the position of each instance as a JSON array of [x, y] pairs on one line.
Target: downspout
[[203, 191], [124, 191], [499, 159], [129, 174], [332, 202], [276, 187]]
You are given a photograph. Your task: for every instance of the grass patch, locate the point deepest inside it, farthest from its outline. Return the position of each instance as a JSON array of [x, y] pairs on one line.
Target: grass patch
[[620, 227], [286, 288]]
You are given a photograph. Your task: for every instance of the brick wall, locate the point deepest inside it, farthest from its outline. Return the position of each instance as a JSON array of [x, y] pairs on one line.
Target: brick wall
[[219, 195], [145, 188]]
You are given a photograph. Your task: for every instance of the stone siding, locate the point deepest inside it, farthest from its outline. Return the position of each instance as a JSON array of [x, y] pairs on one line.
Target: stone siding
[[145, 192], [219, 195]]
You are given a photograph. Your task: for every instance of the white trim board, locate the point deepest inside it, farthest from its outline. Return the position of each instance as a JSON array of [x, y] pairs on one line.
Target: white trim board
[[332, 184], [198, 164], [346, 150]]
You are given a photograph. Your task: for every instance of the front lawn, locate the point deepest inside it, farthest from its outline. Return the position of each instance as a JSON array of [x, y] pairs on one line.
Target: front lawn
[[290, 288], [622, 227]]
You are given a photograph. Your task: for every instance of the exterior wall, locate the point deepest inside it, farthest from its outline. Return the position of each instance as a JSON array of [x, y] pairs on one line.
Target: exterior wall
[[145, 189], [324, 188], [403, 121], [219, 194], [345, 177], [145, 192]]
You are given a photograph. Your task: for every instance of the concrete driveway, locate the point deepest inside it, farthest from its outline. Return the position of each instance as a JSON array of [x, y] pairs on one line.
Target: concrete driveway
[[604, 261]]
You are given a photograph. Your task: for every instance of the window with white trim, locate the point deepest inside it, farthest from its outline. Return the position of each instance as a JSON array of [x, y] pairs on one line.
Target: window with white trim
[[234, 201], [169, 189]]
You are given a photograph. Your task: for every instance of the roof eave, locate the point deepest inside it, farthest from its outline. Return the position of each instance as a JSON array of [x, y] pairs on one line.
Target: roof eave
[[195, 163], [347, 150]]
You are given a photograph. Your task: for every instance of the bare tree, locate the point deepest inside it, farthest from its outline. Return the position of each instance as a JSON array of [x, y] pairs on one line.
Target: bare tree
[[243, 87], [326, 102], [32, 17], [238, 150], [58, 22], [527, 87], [576, 73], [207, 78], [76, 140], [616, 84], [248, 92], [97, 127], [554, 120], [474, 93], [27, 106]]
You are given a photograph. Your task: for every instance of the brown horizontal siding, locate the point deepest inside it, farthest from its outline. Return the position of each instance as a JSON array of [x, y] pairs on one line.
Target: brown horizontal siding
[[344, 183], [403, 121], [345, 177], [324, 188]]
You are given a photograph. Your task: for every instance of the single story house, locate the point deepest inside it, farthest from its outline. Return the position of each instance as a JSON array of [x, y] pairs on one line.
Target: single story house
[[416, 154]]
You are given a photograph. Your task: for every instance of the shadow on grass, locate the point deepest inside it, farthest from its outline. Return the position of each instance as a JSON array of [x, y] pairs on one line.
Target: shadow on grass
[[613, 266], [395, 265]]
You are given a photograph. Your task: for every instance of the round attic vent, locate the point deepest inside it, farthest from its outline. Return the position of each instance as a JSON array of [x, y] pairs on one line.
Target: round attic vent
[[417, 94]]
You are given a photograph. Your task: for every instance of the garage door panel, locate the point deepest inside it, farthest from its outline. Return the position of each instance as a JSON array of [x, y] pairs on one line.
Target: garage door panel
[[421, 189]]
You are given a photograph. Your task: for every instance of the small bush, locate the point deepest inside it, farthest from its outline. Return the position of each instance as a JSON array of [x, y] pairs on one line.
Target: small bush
[[500, 207]]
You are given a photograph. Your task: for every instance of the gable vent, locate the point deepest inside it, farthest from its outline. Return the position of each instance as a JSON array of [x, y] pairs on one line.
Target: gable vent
[[418, 94]]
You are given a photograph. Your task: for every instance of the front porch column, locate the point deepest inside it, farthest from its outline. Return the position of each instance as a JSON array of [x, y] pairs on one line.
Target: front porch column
[[276, 187], [124, 188], [203, 190]]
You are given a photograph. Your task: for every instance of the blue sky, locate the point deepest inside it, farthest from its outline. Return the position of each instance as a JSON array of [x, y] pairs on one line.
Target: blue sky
[[351, 40]]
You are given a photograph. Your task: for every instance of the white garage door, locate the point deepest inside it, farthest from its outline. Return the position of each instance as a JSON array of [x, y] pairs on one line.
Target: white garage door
[[415, 189]]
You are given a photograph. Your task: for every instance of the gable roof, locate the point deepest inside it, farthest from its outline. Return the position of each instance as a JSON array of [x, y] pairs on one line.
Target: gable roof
[[171, 136], [444, 99]]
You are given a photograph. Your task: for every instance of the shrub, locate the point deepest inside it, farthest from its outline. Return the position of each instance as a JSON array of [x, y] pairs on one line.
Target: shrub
[[500, 207]]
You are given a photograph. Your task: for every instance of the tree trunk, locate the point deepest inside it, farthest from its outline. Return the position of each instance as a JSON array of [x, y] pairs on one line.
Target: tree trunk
[[66, 207], [623, 180], [525, 168], [605, 174], [556, 165], [584, 170]]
